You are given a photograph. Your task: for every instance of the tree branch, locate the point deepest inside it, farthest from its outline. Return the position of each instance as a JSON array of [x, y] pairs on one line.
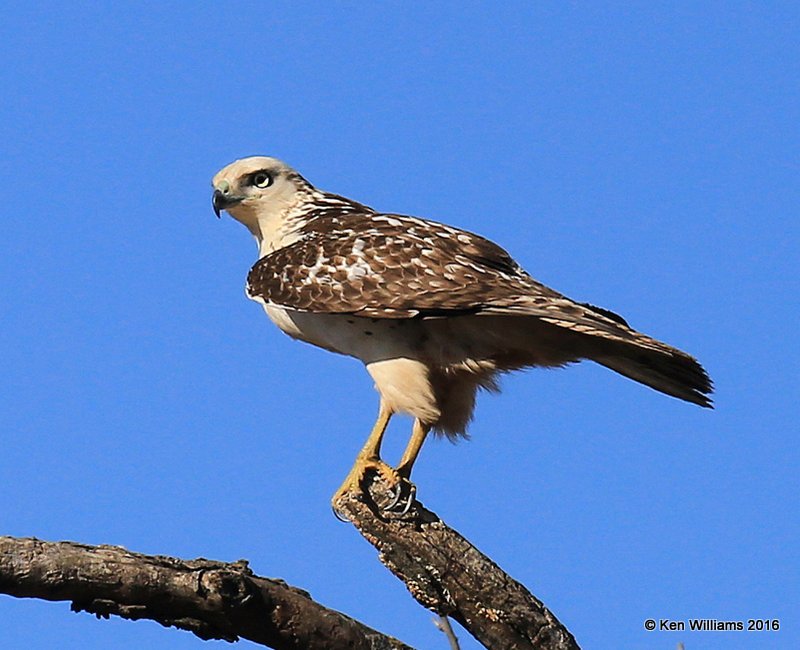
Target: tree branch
[[443, 625], [214, 600], [448, 575], [217, 600]]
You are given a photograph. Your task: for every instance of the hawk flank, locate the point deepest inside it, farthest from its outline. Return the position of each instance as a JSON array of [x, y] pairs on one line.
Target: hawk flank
[[435, 313]]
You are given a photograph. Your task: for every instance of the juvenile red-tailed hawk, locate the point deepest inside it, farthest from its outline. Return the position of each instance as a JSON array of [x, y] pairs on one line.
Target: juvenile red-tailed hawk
[[434, 312]]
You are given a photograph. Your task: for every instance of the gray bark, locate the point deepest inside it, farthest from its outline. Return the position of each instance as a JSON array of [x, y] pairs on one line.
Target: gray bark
[[445, 573], [214, 600]]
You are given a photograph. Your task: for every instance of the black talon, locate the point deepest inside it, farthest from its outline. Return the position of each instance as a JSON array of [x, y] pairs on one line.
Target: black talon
[[336, 514], [405, 502], [396, 496], [412, 493]]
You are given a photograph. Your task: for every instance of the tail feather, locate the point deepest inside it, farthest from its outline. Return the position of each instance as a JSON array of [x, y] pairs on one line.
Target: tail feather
[[606, 338], [669, 371]]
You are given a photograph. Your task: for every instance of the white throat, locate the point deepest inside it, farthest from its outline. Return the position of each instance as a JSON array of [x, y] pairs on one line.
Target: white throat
[[274, 233], [274, 228]]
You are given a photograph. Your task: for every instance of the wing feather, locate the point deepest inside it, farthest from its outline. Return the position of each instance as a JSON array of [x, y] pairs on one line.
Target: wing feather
[[392, 266], [397, 267]]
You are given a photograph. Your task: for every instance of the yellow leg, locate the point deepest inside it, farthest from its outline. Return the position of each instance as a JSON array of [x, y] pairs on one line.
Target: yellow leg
[[418, 435], [369, 458]]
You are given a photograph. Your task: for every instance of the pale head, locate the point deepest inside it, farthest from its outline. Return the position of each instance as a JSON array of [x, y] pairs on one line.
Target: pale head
[[257, 190]]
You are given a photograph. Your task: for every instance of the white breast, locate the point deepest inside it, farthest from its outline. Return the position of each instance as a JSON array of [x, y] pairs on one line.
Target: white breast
[[368, 339]]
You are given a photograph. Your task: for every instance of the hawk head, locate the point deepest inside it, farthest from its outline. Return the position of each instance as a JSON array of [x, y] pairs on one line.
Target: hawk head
[[256, 188]]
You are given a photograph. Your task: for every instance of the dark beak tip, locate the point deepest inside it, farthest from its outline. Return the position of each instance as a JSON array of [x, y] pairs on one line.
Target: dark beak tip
[[224, 201], [217, 202]]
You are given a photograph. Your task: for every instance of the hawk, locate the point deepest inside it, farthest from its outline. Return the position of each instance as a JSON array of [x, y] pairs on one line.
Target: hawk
[[435, 313]]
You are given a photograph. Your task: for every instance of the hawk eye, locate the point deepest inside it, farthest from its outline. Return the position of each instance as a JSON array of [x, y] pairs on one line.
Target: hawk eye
[[261, 179]]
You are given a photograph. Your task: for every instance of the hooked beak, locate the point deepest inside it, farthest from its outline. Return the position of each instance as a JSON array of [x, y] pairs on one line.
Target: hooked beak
[[222, 201]]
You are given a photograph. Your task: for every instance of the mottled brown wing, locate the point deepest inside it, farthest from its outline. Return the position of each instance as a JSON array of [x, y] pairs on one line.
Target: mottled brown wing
[[393, 266], [390, 266]]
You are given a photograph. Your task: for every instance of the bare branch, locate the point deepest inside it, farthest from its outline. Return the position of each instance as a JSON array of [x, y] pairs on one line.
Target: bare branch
[[214, 600], [442, 623], [449, 576]]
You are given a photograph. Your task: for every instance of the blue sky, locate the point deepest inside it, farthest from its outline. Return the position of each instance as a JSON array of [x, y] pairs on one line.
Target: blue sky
[[643, 158]]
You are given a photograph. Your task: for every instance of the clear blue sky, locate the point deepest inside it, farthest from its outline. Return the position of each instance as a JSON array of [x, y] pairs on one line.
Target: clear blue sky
[[642, 158]]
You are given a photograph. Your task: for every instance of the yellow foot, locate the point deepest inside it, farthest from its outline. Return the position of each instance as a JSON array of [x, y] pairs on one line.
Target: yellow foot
[[354, 480], [401, 492]]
